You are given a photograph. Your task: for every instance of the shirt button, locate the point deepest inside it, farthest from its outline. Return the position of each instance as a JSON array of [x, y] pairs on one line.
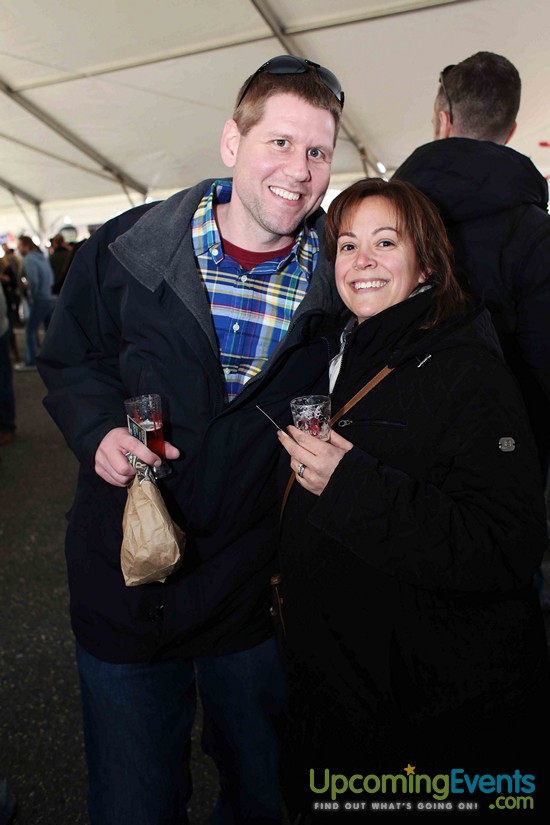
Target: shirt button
[[215, 250], [244, 279], [236, 327]]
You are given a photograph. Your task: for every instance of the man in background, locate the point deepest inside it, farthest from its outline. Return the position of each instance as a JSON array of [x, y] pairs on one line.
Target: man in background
[[9, 276], [494, 204], [40, 278], [60, 258]]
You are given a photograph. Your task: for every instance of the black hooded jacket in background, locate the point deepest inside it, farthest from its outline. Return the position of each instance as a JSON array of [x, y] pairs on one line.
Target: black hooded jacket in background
[[494, 204]]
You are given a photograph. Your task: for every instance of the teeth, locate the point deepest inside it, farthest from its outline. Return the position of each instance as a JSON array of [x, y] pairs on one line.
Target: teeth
[[369, 284], [284, 193]]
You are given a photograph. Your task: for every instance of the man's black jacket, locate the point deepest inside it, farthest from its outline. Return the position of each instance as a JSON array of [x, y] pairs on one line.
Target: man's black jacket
[[494, 204]]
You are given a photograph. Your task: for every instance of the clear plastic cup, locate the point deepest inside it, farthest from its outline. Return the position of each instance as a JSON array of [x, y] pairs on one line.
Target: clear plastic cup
[[311, 414]]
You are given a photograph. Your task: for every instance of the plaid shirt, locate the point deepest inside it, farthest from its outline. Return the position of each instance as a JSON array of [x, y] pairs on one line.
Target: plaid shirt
[[252, 309]]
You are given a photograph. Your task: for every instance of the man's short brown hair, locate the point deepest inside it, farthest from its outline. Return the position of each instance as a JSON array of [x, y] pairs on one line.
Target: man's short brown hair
[[307, 86], [484, 91], [27, 242]]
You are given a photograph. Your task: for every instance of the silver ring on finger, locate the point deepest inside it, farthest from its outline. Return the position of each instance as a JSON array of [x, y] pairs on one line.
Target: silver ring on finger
[[301, 469]]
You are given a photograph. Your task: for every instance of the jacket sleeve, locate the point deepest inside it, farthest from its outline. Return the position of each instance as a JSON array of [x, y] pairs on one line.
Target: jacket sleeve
[[79, 361], [472, 521]]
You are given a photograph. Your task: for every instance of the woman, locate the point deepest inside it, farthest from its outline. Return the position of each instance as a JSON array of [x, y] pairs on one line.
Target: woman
[[409, 541]]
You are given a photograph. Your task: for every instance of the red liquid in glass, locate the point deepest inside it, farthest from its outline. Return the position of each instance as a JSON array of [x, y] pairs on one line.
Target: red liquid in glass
[[155, 438]]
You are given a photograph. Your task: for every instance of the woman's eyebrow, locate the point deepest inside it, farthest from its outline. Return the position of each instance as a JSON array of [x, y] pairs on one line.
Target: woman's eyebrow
[[351, 234]]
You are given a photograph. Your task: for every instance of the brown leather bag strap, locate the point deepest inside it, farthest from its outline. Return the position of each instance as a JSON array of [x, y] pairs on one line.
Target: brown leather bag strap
[[363, 391], [370, 385]]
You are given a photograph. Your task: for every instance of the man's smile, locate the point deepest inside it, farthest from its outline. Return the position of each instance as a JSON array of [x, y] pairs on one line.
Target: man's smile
[[284, 193]]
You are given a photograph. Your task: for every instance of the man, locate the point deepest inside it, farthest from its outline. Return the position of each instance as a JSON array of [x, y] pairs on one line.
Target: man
[[201, 299], [39, 276], [9, 277], [60, 258], [494, 203]]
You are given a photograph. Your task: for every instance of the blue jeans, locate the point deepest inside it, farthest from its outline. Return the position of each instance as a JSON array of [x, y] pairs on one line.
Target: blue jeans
[[137, 726], [7, 400], [40, 313]]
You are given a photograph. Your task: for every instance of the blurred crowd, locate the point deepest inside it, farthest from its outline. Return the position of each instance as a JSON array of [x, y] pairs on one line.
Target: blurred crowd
[[19, 289], [31, 281]]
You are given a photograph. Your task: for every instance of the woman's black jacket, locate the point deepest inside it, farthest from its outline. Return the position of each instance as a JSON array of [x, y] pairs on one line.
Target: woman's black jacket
[[407, 589]]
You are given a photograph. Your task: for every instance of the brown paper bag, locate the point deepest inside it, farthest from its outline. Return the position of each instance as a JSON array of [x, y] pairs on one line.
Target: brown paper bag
[[152, 545]]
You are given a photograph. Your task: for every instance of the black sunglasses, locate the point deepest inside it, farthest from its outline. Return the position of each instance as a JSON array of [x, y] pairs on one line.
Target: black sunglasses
[[445, 71], [290, 64]]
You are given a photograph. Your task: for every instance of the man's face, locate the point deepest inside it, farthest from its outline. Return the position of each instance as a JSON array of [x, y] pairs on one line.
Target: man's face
[[21, 249], [281, 168]]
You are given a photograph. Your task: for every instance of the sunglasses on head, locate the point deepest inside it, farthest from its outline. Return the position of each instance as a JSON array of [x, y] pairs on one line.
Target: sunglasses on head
[[289, 64], [445, 71]]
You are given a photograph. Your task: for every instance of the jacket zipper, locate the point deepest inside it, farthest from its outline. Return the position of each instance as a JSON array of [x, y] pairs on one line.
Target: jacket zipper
[[347, 422]]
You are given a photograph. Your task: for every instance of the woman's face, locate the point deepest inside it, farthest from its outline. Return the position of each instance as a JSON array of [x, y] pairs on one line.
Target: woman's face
[[376, 267]]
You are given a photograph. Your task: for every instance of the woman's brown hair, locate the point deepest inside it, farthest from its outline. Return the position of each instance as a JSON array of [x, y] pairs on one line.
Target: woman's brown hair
[[416, 217]]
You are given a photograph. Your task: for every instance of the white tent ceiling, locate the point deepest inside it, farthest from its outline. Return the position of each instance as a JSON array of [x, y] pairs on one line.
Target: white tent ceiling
[[107, 102]]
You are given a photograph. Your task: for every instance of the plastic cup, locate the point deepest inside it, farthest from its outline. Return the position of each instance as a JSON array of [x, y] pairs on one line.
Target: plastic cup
[[311, 414], [144, 415]]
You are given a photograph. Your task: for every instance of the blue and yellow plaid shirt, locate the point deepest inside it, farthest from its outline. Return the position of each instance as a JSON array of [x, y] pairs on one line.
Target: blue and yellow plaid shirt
[[251, 309]]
